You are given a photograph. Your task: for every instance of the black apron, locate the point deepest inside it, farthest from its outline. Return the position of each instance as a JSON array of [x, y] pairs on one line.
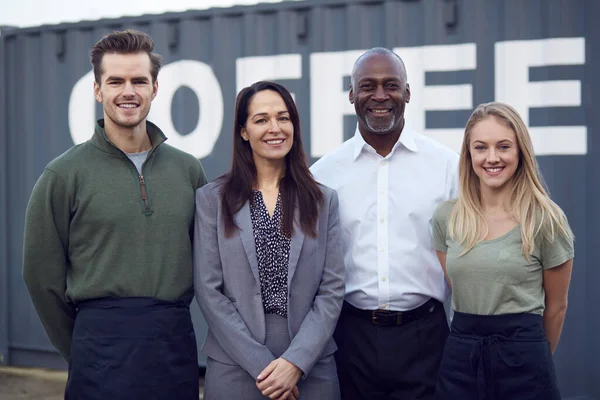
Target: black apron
[[497, 357], [133, 348]]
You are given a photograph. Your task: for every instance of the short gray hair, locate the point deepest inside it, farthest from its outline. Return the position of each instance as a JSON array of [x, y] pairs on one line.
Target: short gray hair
[[375, 50]]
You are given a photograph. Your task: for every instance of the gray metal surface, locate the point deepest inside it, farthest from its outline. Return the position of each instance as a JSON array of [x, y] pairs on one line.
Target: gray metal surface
[[539, 55], [3, 211]]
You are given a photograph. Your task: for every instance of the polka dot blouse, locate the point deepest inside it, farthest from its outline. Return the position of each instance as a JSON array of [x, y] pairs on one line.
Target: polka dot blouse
[[273, 254]]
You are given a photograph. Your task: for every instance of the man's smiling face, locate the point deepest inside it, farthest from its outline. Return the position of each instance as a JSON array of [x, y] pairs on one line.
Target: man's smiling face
[[126, 89], [379, 93]]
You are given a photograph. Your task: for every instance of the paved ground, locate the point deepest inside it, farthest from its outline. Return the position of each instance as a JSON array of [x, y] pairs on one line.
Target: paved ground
[[17, 384], [33, 384]]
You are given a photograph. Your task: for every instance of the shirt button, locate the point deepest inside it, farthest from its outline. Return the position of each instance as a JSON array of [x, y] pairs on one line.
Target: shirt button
[[382, 250], [382, 191], [382, 220], [384, 279], [384, 306]]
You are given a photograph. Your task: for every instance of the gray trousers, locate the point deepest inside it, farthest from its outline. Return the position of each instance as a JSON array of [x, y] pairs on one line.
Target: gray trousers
[[224, 381]]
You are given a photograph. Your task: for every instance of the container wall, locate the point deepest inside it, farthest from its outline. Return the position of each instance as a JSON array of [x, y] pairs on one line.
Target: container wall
[[540, 56], [4, 306], [589, 238]]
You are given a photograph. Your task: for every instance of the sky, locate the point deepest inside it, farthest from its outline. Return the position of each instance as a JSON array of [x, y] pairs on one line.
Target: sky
[[27, 13]]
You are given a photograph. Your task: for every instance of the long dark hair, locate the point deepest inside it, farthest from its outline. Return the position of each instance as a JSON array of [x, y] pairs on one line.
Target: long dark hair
[[297, 187]]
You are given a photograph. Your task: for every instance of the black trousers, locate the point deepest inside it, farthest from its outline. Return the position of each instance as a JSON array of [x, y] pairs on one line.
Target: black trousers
[[390, 362], [133, 349], [497, 357]]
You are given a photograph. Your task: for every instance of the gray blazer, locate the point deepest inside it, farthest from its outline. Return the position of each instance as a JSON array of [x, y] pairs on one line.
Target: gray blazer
[[228, 292]]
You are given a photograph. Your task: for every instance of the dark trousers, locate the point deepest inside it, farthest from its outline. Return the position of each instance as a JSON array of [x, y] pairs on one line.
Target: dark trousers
[[397, 362], [497, 357], [133, 348]]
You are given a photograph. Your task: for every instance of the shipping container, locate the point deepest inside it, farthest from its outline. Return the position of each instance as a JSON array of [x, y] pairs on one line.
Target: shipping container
[[4, 294], [541, 56]]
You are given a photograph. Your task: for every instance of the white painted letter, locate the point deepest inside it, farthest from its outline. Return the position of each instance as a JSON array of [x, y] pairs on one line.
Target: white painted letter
[[513, 60], [200, 78], [329, 99], [82, 109], [253, 69], [419, 60]]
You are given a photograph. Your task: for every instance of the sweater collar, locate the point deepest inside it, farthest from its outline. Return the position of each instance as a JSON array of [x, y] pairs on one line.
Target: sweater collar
[[101, 140]]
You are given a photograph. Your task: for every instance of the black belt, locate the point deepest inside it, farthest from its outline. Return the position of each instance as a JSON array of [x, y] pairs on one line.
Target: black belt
[[392, 318]]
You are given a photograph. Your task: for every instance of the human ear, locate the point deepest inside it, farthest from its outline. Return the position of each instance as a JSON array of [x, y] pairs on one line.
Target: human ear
[[97, 92]]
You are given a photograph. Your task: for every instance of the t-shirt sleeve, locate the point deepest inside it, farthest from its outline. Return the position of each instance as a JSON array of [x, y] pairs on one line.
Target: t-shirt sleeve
[[558, 251], [439, 226]]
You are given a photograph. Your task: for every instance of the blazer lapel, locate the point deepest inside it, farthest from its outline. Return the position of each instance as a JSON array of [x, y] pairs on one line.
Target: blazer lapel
[[244, 223], [295, 247]]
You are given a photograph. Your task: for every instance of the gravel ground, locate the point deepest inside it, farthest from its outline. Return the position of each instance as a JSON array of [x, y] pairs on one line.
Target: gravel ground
[[21, 384], [16, 387]]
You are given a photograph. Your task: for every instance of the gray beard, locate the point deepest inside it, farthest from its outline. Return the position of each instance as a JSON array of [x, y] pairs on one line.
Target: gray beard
[[380, 128]]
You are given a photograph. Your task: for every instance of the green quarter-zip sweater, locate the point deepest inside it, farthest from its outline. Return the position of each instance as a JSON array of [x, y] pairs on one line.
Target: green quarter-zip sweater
[[95, 228]]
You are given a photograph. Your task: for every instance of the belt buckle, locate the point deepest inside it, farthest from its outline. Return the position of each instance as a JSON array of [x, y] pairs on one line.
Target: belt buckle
[[386, 314]]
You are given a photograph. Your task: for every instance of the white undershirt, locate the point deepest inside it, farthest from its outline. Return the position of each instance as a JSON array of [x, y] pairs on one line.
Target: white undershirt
[[138, 159]]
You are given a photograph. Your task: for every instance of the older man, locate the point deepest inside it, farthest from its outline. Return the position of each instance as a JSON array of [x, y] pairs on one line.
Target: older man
[[389, 178]]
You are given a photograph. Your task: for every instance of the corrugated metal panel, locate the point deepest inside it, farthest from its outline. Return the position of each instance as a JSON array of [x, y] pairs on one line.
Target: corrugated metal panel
[[539, 55], [589, 238], [3, 212]]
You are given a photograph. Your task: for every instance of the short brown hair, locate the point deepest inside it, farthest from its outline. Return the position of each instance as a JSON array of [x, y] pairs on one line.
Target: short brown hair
[[129, 41]]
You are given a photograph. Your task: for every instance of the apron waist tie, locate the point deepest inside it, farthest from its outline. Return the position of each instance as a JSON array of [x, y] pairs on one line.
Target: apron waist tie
[[481, 363]]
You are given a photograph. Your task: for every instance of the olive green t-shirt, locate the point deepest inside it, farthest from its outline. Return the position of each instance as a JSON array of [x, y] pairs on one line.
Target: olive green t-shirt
[[494, 277]]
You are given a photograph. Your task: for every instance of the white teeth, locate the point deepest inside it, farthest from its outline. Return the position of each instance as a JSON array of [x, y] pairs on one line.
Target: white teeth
[[379, 111], [276, 141], [493, 169], [128, 105]]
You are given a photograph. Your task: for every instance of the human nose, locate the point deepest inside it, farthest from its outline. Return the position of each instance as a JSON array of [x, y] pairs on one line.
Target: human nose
[[274, 126], [380, 93], [492, 157], [128, 89]]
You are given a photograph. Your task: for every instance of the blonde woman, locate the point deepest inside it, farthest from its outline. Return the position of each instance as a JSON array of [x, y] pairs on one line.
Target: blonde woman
[[507, 251]]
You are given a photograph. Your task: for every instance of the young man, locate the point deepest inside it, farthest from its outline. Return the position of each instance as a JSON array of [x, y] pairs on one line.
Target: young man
[[389, 179], [107, 251]]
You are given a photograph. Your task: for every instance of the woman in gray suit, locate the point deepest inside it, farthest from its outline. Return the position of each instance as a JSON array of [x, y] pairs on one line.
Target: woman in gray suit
[[268, 261]]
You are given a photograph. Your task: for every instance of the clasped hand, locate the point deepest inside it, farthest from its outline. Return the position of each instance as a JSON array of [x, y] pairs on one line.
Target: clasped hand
[[278, 380]]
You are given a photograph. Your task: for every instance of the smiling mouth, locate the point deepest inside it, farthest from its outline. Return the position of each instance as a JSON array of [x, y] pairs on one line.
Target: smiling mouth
[[274, 142], [380, 111], [494, 170], [128, 106]]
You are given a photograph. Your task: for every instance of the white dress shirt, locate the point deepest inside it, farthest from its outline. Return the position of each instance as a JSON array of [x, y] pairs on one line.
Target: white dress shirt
[[386, 205]]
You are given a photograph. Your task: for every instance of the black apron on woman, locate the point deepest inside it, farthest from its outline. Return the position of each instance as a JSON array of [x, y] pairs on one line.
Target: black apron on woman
[[497, 357], [133, 348]]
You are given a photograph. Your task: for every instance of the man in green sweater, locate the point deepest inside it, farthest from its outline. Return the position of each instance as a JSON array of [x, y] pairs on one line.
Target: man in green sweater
[[107, 250]]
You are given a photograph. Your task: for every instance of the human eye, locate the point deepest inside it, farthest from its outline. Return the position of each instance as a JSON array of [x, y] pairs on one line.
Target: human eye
[[284, 118], [260, 121], [392, 85], [366, 86], [479, 147], [504, 147]]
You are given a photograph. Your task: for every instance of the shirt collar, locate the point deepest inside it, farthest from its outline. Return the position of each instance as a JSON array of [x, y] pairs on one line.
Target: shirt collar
[[407, 139], [101, 140]]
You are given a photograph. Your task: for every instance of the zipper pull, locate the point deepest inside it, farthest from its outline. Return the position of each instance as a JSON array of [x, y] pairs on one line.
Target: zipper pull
[[144, 194]]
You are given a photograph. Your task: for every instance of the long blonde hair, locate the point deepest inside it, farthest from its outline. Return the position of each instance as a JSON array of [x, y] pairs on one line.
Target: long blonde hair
[[531, 205]]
